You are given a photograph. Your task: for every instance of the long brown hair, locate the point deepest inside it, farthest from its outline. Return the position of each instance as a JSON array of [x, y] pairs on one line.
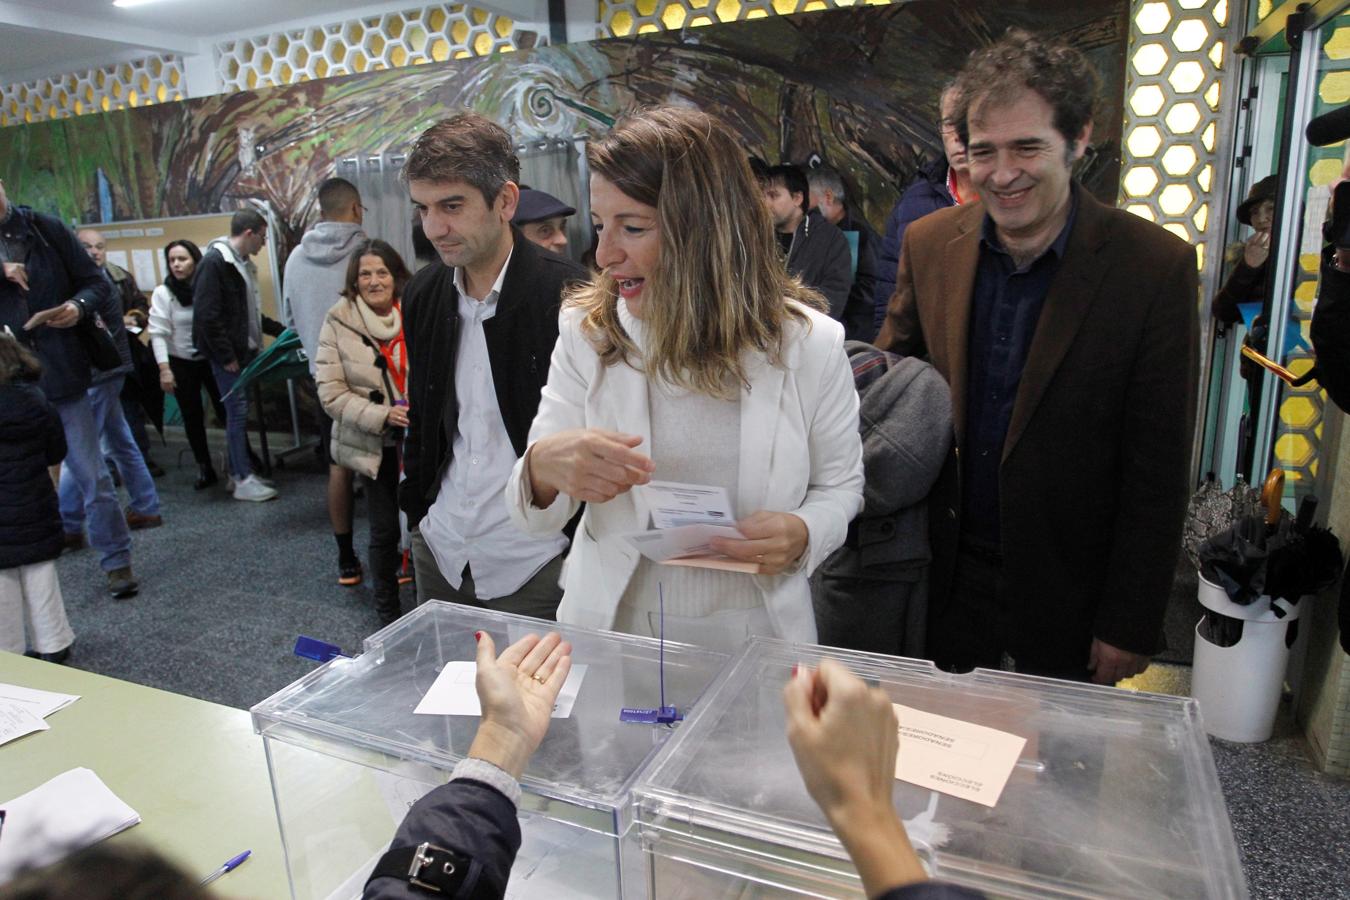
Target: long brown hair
[[720, 289]]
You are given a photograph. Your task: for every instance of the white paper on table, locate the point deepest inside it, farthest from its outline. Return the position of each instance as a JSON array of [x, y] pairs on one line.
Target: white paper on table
[[40, 703], [958, 758], [17, 720], [70, 812], [143, 268], [453, 694], [662, 544], [674, 504]]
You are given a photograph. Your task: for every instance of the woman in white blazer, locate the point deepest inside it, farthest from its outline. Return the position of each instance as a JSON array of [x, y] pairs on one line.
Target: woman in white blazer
[[693, 357]]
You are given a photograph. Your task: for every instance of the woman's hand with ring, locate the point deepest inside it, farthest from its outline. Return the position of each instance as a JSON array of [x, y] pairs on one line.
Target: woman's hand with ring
[[773, 540], [517, 691], [397, 417]]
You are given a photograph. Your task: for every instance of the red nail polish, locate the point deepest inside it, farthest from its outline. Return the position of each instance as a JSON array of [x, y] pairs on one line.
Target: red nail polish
[[478, 635]]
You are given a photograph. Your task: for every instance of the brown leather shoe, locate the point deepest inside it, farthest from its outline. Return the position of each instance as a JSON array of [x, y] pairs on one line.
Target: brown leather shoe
[[137, 521], [121, 584]]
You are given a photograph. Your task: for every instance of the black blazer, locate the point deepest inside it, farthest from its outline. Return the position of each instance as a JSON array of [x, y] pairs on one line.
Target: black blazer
[[520, 339], [1095, 474]]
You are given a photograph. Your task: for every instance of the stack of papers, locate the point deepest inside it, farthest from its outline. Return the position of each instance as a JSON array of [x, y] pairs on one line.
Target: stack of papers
[[685, 517], [70, 812], [22, 710]]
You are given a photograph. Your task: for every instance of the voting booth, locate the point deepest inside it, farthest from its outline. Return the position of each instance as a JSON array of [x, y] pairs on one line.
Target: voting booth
[[1108, 793], [348, 753]]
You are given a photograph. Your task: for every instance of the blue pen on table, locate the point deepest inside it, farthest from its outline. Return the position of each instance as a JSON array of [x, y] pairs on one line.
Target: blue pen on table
[[229, 866]]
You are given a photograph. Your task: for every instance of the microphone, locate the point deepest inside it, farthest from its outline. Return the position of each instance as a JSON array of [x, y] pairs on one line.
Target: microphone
[[1329, 128]]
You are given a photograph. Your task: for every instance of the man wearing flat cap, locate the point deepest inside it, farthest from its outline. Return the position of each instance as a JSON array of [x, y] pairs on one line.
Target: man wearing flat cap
[[542, 218]]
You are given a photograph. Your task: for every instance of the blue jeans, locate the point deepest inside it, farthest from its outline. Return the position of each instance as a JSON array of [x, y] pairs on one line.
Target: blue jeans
[[236, 421], [119, 446], [84, 466]]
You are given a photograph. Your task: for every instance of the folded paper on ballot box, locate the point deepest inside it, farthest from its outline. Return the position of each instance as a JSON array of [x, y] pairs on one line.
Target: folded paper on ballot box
[[958, 758]]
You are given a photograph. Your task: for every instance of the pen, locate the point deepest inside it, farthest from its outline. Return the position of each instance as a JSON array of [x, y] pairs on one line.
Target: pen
[[230, 865]]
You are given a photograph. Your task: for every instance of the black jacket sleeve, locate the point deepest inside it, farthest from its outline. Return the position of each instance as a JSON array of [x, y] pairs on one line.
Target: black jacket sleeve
[[473, 820], [209, 329], [56, 437], [836, 273], [271, 327], [89, 288]]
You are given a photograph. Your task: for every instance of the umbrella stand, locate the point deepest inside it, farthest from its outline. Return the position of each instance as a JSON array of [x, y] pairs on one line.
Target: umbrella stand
[[1239, 686]]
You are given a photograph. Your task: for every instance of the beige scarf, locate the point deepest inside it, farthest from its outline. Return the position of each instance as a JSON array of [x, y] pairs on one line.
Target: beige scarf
[[382, 328]]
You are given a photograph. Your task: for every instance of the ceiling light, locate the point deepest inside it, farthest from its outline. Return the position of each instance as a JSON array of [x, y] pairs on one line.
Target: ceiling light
[[127, 4]]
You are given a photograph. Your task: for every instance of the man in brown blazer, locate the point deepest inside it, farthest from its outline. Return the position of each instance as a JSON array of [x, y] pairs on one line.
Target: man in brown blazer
[[1068, 333]]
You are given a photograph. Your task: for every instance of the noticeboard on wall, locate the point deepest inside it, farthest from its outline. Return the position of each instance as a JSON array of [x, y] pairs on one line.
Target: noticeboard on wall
[[138, 247]]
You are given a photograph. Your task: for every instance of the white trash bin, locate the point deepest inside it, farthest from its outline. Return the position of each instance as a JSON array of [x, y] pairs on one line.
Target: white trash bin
[[1239, 687]]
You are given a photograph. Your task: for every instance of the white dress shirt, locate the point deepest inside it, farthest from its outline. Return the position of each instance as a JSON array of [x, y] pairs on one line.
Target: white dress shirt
[[468, 524]]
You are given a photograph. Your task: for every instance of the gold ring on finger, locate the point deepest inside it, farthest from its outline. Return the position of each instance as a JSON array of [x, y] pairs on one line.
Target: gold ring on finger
[[538, 679]]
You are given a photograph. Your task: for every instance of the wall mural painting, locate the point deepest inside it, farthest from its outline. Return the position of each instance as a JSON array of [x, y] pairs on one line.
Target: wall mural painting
[[858, 87]]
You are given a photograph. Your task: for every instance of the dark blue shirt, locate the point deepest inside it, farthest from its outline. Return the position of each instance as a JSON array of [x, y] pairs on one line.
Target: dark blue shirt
[[1005, 307]]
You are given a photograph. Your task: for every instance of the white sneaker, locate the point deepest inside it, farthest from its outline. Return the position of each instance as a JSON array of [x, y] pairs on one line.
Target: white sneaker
[[252, 488], [231, 484]]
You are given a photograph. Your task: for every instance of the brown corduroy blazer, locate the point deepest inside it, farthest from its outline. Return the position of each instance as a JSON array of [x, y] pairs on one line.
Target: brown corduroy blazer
[[1095, 472]]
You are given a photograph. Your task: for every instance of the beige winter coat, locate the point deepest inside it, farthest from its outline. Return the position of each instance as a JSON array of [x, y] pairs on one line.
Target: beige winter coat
[[353, 389]]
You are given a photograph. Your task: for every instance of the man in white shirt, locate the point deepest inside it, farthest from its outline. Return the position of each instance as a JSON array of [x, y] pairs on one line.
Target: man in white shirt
[[480, 326]]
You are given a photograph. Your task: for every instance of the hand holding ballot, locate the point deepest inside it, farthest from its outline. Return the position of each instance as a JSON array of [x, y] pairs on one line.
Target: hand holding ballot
[[773, 540]]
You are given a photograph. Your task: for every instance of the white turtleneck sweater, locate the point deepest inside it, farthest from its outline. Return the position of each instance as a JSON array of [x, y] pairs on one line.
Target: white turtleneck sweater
[[695, 439]]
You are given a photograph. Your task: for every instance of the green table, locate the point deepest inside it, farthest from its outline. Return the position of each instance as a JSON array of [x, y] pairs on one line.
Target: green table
[[195, 771]]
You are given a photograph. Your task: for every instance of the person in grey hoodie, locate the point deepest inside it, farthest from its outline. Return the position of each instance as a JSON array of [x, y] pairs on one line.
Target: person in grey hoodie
[[312, 283]]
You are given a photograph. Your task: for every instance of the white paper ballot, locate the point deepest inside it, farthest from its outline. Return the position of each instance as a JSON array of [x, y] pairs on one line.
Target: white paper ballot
[[674, 504], [40, 703], [17, 720], [681, 541], [958, 758], [453, 694], [72, 811]]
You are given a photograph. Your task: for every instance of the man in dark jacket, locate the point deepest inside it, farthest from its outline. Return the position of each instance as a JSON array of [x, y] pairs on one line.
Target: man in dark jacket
[[227, 327], [816, 251], [480, 326], [1058, 521], [828, 195], [136, 396], [942, 183], [108, 395], [48, 274]]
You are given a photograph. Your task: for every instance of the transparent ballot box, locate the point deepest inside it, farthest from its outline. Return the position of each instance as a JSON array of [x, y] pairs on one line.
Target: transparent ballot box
[[348, 756], [1114, 793]]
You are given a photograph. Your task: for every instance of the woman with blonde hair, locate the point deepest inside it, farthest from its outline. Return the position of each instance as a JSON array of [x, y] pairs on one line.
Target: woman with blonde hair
[[693, 357]]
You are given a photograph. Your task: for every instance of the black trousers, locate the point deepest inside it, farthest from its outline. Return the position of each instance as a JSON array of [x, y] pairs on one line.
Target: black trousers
[[974, 628], [382, 509], [191, 376]]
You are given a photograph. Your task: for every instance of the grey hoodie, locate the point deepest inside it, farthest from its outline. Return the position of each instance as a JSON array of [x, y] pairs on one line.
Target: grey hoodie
[[312, 282]]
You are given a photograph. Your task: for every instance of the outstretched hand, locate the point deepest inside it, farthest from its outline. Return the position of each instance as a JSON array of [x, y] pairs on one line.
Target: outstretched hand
[[517, 691]]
